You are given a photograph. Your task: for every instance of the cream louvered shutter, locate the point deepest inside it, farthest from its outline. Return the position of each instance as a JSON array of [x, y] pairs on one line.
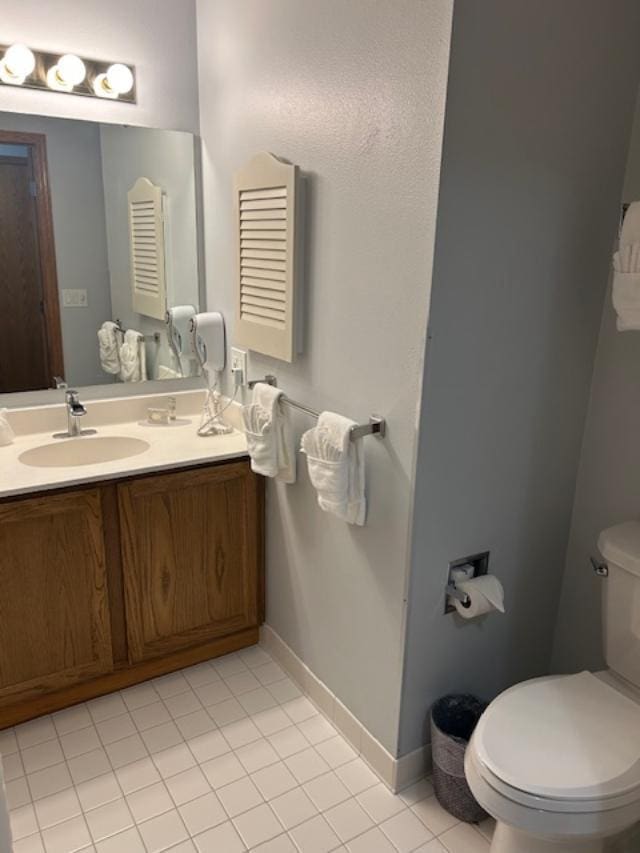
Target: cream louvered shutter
[[267, 199], [146, 237]]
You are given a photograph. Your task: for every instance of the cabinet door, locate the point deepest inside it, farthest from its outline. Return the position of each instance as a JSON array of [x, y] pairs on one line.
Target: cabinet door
[[190, 557], [54, 614]]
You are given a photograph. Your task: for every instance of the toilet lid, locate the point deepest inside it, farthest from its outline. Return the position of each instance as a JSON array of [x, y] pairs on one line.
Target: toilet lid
[[569, 738]]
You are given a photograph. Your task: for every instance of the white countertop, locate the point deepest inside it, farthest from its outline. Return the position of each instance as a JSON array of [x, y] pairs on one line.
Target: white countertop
[[169, 447]]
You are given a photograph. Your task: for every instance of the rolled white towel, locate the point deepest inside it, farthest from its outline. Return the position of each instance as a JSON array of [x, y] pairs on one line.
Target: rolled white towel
[[336, 467], [109, 343], [269, 435], [133, 357]]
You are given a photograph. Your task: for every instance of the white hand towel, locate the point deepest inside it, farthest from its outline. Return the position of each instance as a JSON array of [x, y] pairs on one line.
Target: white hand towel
[[7, 435], [625, 290], [269, 435], [133, 357], [336, 467], [109, 342]]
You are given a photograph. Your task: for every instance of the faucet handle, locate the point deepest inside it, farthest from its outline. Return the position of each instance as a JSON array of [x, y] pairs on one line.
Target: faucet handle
[[71, 396]]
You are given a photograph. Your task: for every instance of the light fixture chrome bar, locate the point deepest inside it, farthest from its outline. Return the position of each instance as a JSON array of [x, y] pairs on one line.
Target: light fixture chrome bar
[[94, 83], [376, 426]]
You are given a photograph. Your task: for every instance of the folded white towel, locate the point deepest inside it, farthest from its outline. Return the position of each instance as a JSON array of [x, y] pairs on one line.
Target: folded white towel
[[6, 433], [336, 467], [133, 357], [109, 341], [625, 289], [269, 435]]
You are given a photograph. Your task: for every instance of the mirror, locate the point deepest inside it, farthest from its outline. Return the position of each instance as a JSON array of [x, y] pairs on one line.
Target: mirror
[[99, 225]]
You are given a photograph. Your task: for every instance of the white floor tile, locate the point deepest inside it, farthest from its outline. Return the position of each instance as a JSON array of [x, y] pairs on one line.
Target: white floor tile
[[284, 690], [257, 825], [348, 820], [242, 682], [254, 656], [109, 819], [431, 847], [418, 791], [126, 751], [148, 716], [71, 719], [306, 765], [229, 711], [202, 813], [67, 837], [406, 831], [317, 729], [288, 742], [223, 837], [13, 766], [464, 839], [254, 756], [125, 842], [173, 760], [223, 770], [89, 765], [357, 776], [239, 796], [269, 672], [184, 847], [19, 794], [274, 780], [57, 808], [116, 728], [32, 844], [43, 755], [434, 817], [281, 844], [8, 742], [380, 803], [46, 782], [96, 792], [137, 775], [194, 724], [314, 836], [209, 745], [182, 704], [139, 695], [293, 808], [201, 673], [80, 741], [187, 785], [170, 685], [229, 665], [241, 733], [35, 732], [326, 791], [372, 841], [23, 822], [163, 832], [149, 802], [212, 693], [257, 700], [299, 709], [336, 751], [271, 721], [161, 737], [106, 706]]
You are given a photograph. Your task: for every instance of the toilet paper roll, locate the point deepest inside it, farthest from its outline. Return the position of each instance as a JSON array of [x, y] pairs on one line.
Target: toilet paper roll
[[485, 594]]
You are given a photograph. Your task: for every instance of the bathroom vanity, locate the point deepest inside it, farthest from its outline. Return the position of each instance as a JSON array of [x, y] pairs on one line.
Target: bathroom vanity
[[117, 572]]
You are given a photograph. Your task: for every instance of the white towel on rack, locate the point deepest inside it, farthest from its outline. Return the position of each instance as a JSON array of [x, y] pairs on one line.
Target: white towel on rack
[[133, 357], [625, 290], [269, 435], [109, 343], [336, 467]]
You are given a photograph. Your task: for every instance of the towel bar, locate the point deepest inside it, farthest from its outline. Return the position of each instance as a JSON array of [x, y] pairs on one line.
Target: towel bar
[[376, 426], [155, 337]]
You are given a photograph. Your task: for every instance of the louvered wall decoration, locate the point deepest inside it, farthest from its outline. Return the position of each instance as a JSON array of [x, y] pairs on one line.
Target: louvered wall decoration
[[268, 226], [147, 247]]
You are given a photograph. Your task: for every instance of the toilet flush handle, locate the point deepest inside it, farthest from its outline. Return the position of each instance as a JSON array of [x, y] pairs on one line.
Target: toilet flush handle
[[600, 568]]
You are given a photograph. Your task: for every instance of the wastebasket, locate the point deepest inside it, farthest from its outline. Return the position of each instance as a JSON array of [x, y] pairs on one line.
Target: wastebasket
[[453, 719]]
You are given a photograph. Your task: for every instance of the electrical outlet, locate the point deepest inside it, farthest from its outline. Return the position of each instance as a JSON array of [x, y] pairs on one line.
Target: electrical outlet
[[239, 363]]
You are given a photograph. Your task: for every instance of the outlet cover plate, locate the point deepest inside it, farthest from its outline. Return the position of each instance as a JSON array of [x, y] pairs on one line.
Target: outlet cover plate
[[239, 362]]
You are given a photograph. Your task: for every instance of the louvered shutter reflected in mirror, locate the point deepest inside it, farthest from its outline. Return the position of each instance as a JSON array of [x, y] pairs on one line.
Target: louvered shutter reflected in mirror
[[147, 247]]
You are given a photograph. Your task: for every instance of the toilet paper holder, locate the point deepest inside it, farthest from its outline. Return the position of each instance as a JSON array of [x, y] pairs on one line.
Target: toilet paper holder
[[474, 565]]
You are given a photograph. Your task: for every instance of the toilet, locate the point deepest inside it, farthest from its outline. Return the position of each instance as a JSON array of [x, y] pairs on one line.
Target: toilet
[[556, 760]]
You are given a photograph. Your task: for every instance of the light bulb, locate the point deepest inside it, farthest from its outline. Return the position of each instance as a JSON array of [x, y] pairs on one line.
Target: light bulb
[[101, 87], [71, 69], [119, 78], [17, 64]]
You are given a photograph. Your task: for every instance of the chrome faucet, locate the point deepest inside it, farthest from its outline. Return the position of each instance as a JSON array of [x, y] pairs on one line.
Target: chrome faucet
[[75, 410]]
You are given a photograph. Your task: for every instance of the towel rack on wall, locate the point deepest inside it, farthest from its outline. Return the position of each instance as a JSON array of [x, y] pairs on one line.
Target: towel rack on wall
[[155, 337], [377, 425]]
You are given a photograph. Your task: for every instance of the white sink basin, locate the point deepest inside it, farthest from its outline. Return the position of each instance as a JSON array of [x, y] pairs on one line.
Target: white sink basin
[[72, 452]]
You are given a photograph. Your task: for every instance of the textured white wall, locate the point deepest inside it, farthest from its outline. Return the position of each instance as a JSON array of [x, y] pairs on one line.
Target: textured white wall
[[157, 36], [538, 115], [354, 93]]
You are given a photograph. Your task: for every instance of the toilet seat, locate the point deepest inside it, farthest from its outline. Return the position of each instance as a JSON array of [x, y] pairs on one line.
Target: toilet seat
[[561, 744]]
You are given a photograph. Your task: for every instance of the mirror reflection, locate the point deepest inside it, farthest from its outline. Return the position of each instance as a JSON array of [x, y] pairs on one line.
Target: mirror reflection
[[99, 248]]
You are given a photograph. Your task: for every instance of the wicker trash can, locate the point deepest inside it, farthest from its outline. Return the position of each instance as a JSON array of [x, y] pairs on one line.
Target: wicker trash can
[[453, 719]]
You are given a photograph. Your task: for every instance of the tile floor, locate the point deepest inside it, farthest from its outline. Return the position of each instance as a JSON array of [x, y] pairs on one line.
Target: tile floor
[[222, 757]]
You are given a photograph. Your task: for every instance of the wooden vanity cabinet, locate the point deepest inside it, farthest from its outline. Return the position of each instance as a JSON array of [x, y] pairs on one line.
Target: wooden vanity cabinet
[[107, 585]]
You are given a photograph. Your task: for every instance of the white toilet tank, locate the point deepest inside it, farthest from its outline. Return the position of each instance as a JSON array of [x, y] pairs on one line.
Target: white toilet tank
[[620, 546]]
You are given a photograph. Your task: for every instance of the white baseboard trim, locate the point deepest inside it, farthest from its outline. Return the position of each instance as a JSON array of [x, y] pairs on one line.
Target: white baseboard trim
[[396, 773]]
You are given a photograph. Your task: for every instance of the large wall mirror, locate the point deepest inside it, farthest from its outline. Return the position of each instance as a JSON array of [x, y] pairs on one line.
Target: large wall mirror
[[99, 230]]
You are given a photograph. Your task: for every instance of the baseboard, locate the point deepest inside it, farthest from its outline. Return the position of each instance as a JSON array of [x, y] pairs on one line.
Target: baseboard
[[396, 773]]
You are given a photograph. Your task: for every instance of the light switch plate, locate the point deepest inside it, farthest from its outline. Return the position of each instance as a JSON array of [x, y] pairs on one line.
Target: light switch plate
[[75, 298]]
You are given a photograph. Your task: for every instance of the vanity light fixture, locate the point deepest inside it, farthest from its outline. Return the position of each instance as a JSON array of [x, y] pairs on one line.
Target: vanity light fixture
[[66, 73]]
